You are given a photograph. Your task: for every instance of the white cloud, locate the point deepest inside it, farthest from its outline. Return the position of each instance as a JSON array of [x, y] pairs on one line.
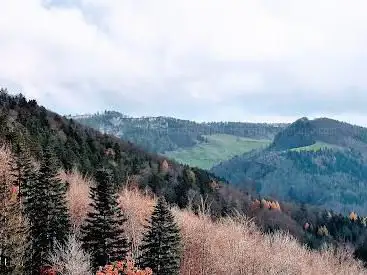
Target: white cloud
[[249, 58]]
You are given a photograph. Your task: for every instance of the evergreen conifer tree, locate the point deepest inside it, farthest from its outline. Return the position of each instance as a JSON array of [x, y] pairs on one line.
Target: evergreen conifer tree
[[45, 206], [103, 235], [25, 178], [59, 223], [161, 242]]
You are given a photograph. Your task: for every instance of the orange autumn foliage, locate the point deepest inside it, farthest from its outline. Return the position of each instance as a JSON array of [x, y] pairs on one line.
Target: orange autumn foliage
[[124, 267], [353, 216], [273, 205]]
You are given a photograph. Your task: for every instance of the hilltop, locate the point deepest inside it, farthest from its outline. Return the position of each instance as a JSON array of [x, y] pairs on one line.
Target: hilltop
[[320, 162], [305, 132]]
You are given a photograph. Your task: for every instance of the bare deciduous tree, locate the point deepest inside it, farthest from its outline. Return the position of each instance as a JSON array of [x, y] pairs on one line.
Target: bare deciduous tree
[[71, 259]]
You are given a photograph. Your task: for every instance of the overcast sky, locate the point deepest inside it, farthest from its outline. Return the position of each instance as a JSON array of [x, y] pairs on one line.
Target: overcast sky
[[244, 60]]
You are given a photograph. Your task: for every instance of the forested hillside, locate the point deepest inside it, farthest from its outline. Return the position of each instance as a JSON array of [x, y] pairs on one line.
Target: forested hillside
[[162, 134], [304, 132], [56, 144], [320, 162], [28, 126], [25, 123]]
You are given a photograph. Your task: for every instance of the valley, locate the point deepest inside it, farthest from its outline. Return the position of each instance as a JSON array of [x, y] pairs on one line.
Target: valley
[[215, 149], [201, 145]]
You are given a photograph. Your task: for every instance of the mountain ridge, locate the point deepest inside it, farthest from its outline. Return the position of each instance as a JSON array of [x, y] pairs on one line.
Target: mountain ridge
[[182, 138], [321, 162]]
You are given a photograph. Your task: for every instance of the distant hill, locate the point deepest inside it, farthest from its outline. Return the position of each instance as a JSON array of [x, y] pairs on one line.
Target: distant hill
[[321, 162], [306, 132], [183, 139]]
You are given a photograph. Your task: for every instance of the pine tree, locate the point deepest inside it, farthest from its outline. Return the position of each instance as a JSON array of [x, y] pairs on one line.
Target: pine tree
[[25, 178], [161, 242], [58, 216], [44, 198], [103, 235]]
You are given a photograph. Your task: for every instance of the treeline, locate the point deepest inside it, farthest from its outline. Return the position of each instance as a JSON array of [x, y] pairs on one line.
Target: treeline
[[162, 134]]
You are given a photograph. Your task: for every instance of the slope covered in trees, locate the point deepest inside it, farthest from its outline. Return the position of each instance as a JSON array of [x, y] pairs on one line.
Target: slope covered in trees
[[87, 150], [320, 162], [79, 147], [181, 185], [165, 134], [305, 132]]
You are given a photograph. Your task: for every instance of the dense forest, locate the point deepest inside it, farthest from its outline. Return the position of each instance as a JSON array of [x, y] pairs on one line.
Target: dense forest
[[115, 164], [82, 148], [162, 134], [86, 150]]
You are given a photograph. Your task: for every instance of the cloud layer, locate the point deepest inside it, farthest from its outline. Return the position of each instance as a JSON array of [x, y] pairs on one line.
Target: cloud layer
[[205, 60]]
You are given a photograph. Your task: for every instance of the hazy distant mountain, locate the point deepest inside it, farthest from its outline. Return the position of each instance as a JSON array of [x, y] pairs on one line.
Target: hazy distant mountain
[[197, 144], [306, 132], [321, 162]]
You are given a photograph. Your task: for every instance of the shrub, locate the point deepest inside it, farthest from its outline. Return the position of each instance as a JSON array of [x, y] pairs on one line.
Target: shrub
[[123, 267]]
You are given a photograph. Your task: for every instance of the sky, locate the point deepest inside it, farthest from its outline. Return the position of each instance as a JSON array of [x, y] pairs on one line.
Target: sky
[[207, 60]]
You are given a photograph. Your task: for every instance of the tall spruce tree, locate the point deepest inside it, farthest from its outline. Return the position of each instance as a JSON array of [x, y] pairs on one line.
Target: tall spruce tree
[[59, 223], [45, 206], [103, 234], [161, 242], [25, 177]]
